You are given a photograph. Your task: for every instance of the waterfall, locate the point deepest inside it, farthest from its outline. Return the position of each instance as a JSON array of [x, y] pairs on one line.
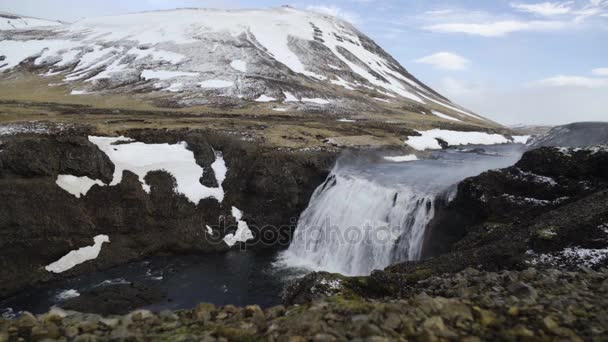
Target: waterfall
[[367, 216], [354, 225]]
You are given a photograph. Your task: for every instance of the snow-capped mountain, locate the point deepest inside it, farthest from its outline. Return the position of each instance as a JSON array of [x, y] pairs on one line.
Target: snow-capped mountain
[[17, 22], [284, 59]]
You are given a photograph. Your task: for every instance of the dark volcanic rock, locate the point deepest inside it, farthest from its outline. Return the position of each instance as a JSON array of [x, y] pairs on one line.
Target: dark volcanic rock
[[528, 305], [116, 299], [40, 220], [543, 180]]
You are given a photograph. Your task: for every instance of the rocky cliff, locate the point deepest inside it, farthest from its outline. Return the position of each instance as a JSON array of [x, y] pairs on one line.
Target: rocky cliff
[[41, 222]]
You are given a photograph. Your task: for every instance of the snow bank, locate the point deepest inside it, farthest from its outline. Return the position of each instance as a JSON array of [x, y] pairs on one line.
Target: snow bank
[[428, 139], [77, 186], [400, 159], [177, 160], [77, 257], [242, 234]]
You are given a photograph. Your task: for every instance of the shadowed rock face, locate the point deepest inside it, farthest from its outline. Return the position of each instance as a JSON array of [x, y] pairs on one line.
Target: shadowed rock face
[[542, 181], [40, 222], [574, 135]]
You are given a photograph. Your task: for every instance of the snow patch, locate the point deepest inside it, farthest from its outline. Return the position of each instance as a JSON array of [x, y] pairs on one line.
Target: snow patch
[[242, 234], [521, 139], [77, 257], [428, 139], [77, 186], [400, 159], [289, 97], [346, 120], [264, 98], [67, 294], [316, 100], [176, 160], [79, 92]]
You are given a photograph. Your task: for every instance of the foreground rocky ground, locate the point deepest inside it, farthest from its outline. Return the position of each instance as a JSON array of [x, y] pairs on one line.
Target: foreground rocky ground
[[531, 305]]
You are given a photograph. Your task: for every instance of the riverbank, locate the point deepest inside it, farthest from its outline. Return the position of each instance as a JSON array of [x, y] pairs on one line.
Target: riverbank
[[534, 305]]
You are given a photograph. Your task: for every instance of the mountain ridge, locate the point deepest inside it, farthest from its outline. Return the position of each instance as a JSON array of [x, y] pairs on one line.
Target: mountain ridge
[[282, 59]]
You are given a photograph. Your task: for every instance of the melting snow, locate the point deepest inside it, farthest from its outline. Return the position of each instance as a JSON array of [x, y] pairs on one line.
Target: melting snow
[[78, 256], [428, 139], [242, 234]]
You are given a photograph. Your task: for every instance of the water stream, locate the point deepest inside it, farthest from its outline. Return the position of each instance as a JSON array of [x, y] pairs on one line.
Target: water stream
[[368, 215]]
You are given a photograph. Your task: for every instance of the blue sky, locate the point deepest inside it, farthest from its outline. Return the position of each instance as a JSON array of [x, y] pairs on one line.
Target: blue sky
[[533, 62]]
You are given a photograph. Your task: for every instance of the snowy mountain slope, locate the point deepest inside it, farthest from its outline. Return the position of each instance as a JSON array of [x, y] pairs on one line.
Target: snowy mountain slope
[[16, 22], [287, 59]]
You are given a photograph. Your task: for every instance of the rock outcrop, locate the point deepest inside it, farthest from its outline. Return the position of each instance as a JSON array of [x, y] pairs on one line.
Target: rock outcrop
[[41, 222]]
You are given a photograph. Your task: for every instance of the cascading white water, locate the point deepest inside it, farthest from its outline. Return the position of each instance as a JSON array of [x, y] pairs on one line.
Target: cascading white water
[[366, 216], [354, 225]]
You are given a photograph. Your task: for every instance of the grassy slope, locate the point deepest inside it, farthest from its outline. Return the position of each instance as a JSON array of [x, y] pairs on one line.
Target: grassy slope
[[26, 97]]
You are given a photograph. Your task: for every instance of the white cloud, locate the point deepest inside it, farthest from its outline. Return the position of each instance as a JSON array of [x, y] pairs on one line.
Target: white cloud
[[336, 12], [545, 8], [498, 28], [445, 61], [572, 81], [600, 71], [571, 14]]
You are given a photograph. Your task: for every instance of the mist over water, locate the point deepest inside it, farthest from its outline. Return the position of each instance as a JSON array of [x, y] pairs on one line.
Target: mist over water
[[370, 213]]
